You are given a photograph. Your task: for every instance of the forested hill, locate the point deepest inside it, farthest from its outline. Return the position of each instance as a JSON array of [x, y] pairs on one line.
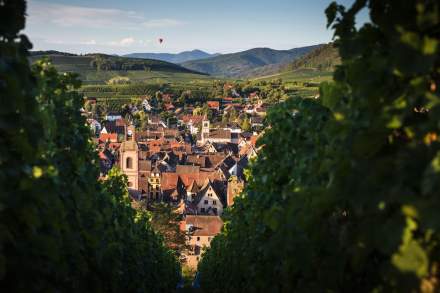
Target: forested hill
[[174, 58], [66, 62], [241, 63], [323, 58]]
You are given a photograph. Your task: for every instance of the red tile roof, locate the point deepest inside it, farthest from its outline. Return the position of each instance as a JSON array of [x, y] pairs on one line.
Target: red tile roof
[[204, 225], [213, 104], [111, 137], [191, 118]]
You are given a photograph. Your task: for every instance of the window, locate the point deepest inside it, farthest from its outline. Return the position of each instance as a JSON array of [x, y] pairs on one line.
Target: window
[[209, 239], [202, 210], [198, 238], [130, 184], [210, 194], [214, 202], [206, 201], [214, 210], [129, 163]]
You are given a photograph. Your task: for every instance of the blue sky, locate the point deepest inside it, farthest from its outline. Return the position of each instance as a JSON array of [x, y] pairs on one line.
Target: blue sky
[[126, 26]]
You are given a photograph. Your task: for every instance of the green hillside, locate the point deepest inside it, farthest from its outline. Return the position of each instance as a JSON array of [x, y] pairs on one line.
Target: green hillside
[[323, 58], [242, 63], [99, 68]]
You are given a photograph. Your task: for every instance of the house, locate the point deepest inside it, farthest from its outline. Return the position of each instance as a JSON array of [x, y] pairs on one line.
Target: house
[[108, 137], [94, 125], [214, 105], [216, 135], [118, 127], [257, 122], [155, 120], [192, 122], [146, 106], [208, 200], [200, 230], [112, 116]]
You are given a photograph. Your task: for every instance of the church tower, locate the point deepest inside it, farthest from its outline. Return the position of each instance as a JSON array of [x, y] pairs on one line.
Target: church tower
[[129, 158], [205, 129]]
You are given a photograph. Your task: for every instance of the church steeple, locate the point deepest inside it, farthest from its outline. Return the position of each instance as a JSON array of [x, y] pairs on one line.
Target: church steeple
[[205, 129]]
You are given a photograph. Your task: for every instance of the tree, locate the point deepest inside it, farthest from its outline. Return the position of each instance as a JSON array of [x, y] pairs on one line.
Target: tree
[[198, 111], [165, 220], [246, 125], [344, 194], [61, 228]]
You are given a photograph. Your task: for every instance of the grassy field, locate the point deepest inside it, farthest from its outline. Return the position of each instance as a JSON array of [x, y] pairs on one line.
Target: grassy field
[[148, 77], [302, 75], [301, 83], [155, 71], [169, 78]]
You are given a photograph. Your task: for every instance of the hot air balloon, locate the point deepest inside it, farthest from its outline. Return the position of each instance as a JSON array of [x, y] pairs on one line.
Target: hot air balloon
[[160, 40]]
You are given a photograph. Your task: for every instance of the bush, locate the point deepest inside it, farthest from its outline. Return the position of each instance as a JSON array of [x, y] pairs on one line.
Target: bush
[[344, 194], [60, 228]]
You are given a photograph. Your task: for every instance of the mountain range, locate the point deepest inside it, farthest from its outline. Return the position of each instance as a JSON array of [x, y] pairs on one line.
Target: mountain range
[[323, 58], [174, 58], [242, 64], [253, 63]]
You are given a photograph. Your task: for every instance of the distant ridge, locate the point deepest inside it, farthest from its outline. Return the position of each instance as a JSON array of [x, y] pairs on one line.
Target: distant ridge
[[242, 64], [323, 58], [67, 62], [173, 58]]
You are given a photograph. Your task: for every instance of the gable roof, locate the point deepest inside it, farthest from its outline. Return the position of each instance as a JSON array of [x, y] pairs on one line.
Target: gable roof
[[204, 225], [187, 169], [220, 134], [202, 192]]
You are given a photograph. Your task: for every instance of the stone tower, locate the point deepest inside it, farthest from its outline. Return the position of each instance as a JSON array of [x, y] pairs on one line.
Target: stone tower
[[129, 159], [205, 129]]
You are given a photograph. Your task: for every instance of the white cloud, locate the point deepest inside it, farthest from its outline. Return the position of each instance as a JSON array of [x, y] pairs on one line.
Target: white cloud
[[62, 42], [160, 23], [86, 17], [91, 42], [127, 41]]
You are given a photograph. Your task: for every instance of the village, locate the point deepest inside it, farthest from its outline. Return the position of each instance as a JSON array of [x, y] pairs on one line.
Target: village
[[195, 165]]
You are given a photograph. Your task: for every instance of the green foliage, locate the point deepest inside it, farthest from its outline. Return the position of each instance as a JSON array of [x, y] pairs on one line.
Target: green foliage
[[119, 80], [102, 62], [165, 220], [60, 228], [246, 125], [323, 58], [344, 194]]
